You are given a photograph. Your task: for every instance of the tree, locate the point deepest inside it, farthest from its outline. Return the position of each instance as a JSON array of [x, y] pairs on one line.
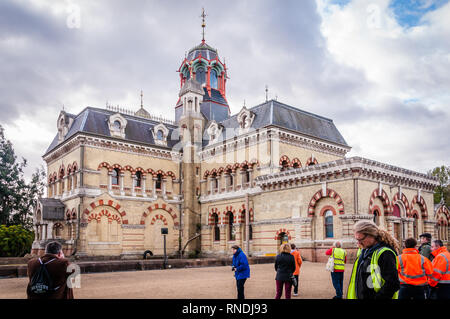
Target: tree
[[17, 197], [443, 190]]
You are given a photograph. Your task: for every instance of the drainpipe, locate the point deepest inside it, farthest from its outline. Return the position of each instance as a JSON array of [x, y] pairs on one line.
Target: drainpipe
[[247, 225], [80, 205], [180, 232]]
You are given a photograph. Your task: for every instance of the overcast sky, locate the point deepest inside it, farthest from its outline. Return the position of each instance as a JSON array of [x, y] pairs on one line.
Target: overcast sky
[[379, 69]]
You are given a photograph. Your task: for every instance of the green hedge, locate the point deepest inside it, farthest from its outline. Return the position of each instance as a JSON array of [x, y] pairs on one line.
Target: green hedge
[[15, 241]]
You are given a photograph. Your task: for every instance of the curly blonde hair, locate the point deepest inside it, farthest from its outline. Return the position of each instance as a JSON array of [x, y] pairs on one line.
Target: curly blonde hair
[[368, 227], [285, 248]]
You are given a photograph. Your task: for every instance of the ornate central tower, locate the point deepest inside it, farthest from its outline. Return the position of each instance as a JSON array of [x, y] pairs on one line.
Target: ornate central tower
[[202, 63]]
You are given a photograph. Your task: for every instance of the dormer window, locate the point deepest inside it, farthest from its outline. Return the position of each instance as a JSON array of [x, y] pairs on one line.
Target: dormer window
[[245, 119], [214, 131], [117, 124], [63, 124], [160, 133]]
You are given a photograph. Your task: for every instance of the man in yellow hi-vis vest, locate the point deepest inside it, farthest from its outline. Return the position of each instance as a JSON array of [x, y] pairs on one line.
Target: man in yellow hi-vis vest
[[337, 275]]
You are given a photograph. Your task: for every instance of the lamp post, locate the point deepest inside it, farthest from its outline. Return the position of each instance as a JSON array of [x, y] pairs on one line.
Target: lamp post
[[164, 232]]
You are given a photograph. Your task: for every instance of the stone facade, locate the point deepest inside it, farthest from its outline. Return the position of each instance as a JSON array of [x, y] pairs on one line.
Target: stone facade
[[269, 174]]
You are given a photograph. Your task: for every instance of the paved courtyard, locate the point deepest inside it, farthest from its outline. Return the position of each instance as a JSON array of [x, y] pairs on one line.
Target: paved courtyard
[[189, 283]]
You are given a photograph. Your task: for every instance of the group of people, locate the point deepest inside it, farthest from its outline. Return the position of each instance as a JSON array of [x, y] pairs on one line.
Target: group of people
[[379, 272]]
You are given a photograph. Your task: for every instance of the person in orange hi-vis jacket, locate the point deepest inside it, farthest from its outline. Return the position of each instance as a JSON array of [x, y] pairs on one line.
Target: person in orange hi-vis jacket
[[440, 279], [298, 264], [413, 272]]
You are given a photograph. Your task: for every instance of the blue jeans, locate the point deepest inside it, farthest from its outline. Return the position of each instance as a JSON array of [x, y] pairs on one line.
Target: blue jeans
[[338, 283]]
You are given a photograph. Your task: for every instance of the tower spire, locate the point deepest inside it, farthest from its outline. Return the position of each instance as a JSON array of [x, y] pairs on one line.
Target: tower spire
[[142, 100], [203, 15]]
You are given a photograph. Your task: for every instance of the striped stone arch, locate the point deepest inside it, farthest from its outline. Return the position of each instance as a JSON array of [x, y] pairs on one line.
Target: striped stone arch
[[140, 169], [74, 167], [106, 165], [151, 172], [235, 166], [160, 172], [109, 203], [69, 169], [171, 174], [422, 205], [228, 167], [120, 168], [104, 212], [229, 209], [156, 206], [68, 214], [129, 168], [311, 160], [405, 202], [296, 161], [241, 218], [211, 216], [442, 212], [284, 158], [319, 195], [220, 170], [61, 172], [242, 165], [74, 214], [282, 230], [384, 199], [254, 162]]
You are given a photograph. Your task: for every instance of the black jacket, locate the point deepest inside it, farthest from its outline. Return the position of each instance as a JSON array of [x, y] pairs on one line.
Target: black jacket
[[388, 269], [285, 266]]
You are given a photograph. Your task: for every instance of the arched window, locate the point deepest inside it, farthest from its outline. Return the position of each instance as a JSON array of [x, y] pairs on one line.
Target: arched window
[[158, 181], [160, 135], [115, 176], [396, 211], [295, 165], [376, 217], [216, 228], [231, 235], [230, 178], [284, 165], [200, 75], [138, 179], [213, 78], [283, 238], [116, 125], [329, 224]]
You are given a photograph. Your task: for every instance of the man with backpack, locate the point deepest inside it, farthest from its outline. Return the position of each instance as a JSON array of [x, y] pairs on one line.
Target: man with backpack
[[48, 275]]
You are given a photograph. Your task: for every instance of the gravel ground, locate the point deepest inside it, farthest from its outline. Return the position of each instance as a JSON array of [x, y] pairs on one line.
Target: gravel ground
[[189, 283]]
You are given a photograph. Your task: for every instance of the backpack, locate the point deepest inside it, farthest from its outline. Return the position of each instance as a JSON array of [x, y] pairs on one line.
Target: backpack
[[41, 282]]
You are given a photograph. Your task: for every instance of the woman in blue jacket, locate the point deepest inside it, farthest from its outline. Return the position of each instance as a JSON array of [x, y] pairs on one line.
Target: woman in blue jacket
[[241, 270]]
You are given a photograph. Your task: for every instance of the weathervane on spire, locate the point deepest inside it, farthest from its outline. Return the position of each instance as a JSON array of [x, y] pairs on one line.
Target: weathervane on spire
[[142, 100], [203, 15]]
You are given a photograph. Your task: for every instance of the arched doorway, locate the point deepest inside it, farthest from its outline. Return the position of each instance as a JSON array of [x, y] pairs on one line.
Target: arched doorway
[[283, 238]]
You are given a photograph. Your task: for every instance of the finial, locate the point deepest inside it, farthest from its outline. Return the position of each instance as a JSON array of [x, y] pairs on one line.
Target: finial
[[244, 102], [267, 93], [142, 100], [203, 15]]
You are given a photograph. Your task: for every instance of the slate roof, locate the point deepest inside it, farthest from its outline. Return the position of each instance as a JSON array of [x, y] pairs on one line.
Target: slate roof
[[274, 113], [95, 121]]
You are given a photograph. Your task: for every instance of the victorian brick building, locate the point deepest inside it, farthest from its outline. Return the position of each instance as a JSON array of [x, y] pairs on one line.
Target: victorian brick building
[[268, 174]]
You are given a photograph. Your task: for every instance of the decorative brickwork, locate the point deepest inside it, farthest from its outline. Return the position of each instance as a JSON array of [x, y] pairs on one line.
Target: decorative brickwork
[[384, 199], [109, 203], [319, 195], [422, 205], [157, 206]]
